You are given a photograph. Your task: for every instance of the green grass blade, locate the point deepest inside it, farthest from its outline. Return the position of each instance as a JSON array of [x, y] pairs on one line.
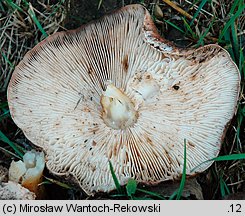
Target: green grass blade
[[26, 3], [235, 42], [228, 44], [232, 20], [4, 115], [234, 5], [36, 21], [241, 3], [131, 187], [183, 178], [14, 6], [1, 6], [173, 195], [230, 157], [173, 25], [243, 111], [227, 189], [151, 193], [201, 39], [7, 60], [178, 192], [240, 116], [224, 190], [11, 144], [223, 158], [189, 29], [198, 11], [117, 184], [241, 64]]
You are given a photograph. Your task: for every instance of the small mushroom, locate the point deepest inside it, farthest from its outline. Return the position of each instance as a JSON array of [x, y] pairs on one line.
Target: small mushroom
[[114, 90], [29, 171]]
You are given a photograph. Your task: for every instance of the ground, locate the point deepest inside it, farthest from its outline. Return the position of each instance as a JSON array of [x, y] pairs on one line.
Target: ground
[[23, 24]]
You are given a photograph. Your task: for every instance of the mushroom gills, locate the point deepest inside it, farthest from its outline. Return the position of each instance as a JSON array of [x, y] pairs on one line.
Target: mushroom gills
[[118, 110]]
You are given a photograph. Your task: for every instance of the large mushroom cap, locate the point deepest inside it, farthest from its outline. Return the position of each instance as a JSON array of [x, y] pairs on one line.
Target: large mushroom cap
[[115, 90]]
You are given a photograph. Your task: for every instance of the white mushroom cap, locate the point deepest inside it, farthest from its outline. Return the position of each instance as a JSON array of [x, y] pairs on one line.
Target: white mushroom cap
[[60, 97]]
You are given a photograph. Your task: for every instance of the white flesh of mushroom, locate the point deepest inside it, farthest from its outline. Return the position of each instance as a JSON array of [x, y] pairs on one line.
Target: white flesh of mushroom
[[118, 110]]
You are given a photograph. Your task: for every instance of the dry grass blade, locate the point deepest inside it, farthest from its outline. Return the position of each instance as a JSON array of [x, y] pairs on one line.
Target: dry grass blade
[[35, 19], [177, 8], [202, 11], [11, 144], [20, 27]]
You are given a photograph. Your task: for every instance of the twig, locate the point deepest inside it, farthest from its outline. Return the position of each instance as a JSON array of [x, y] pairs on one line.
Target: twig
[[177, 8]]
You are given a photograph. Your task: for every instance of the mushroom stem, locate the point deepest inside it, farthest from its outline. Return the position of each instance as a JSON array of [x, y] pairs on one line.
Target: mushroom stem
[[118, 109]]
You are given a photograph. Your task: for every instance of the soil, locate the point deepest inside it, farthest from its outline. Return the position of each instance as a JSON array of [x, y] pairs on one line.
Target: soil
[[82, 12]]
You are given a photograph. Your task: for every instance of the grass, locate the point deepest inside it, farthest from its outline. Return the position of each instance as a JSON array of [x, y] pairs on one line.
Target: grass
[[27, 7], [25, 23], [117, 184], [131, 187], [22, 26], [5, 139], [203, 2], [225, 27]]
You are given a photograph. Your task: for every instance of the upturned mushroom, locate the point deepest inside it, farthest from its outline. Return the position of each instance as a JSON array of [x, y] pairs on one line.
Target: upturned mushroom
[[114, 90]]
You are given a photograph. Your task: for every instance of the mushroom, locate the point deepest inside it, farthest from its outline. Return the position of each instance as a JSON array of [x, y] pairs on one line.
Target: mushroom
[[114, 90], [28, 172]]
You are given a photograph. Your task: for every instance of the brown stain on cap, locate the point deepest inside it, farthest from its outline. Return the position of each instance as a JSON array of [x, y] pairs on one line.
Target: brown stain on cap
[[125, 63]]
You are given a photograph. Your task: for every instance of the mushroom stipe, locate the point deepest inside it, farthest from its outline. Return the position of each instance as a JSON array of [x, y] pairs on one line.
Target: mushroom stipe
[[114, 90]]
